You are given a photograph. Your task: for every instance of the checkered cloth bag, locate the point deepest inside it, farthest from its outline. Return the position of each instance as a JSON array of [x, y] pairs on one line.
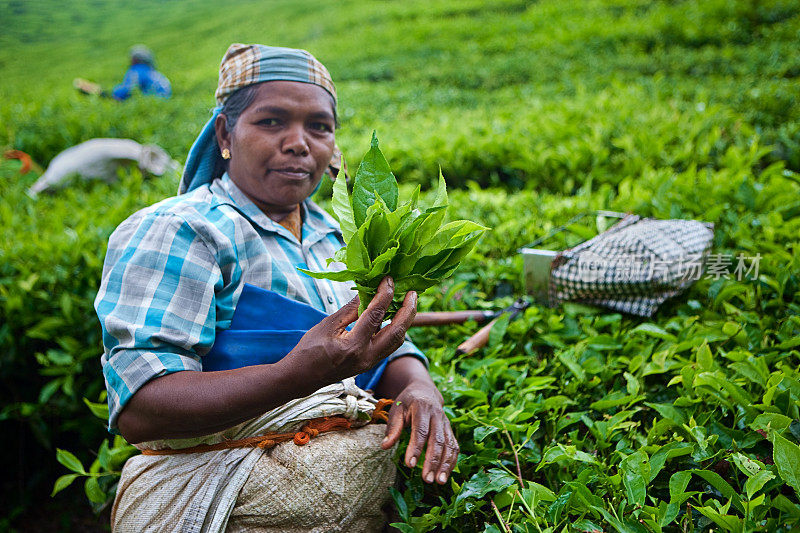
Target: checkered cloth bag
[[634, 266]]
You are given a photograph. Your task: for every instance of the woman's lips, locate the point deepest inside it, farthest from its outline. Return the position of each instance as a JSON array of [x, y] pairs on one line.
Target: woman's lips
[[292, 173]]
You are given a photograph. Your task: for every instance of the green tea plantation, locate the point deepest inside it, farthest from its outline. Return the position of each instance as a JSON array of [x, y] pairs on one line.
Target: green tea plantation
[[571, 418]]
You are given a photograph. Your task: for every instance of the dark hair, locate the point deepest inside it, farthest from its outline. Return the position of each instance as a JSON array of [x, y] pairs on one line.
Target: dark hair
[[233, 108], [236, 104]]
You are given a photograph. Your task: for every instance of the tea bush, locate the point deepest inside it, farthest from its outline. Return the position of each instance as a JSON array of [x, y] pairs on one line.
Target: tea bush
[[575, 419], [538, 111]]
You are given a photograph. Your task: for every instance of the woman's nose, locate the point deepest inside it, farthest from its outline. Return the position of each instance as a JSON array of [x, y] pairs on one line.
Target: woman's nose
[[295, 141]]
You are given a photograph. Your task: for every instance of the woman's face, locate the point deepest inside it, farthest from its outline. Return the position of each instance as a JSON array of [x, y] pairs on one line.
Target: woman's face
[[281, 144]]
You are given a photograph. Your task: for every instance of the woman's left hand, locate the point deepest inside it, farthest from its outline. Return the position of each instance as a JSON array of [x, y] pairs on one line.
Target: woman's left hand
[[421, 407]]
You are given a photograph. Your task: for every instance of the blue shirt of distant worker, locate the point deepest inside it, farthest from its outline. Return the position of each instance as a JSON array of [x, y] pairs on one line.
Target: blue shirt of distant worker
[[142, 74]]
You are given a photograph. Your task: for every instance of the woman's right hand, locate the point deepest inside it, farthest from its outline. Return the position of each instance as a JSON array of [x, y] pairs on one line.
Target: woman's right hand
[[329, 352]]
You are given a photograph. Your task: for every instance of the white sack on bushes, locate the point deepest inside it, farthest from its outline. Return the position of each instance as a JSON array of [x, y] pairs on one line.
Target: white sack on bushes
[[100, 159]]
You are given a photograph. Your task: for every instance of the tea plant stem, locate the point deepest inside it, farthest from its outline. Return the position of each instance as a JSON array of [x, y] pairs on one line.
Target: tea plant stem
[[500, 517], [516, 458], [687, 520], [530, 511], [511, 507]]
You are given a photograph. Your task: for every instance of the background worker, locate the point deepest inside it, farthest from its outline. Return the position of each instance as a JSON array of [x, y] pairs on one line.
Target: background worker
[[141, 75]]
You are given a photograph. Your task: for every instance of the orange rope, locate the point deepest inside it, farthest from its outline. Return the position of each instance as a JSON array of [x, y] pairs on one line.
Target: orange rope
[[311, 429], [380, 412], [302, 438], [23, 157]]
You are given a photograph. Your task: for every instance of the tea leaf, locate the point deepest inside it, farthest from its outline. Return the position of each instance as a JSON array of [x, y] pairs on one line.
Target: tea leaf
[[786, 456], [342, 207], [756, 482], [62, 483], [485, 482], [636, 474], [93, 490], [400, 502], [373, 179], [70, 461]]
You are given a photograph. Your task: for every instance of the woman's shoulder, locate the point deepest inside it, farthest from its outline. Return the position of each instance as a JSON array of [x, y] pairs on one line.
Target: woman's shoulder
[[196, 213]]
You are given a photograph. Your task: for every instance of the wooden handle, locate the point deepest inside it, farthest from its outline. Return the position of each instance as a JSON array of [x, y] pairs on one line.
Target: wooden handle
[[443, 318], [478, 340]]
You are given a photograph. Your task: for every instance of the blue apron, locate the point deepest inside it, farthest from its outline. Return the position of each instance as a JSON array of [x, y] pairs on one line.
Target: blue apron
[[265, 327]]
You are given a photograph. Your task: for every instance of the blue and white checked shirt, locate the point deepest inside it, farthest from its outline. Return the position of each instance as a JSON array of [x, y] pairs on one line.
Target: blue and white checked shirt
[[174, 272]]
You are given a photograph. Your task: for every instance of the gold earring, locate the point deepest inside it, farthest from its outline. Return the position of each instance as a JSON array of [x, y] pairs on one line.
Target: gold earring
[[226, 154]]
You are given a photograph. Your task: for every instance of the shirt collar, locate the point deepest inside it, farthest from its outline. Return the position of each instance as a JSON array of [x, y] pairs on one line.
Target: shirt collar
[[316, 222]]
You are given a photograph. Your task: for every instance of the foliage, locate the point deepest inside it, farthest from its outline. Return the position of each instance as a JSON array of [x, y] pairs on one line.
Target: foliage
[[50, 266], [536, 112], [383, 238], [501, 92], [686, 422]]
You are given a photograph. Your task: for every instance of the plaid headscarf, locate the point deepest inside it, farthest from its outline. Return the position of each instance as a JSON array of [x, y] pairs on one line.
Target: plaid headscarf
[[245, 65]]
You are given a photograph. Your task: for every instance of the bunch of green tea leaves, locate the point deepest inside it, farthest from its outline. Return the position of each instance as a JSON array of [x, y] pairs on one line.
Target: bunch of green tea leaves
[[412, 246]]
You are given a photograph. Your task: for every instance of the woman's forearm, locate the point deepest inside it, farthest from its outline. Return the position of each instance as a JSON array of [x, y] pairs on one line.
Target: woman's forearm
[[191, 403], [419, 406], [401, 373]]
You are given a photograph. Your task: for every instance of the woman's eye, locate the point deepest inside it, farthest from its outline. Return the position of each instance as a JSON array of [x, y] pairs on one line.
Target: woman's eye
[[321, 126]]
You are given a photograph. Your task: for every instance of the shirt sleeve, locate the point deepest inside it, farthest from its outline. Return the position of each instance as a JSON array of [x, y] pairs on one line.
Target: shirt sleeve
[[156, 304], [124, 89], [409, 348]]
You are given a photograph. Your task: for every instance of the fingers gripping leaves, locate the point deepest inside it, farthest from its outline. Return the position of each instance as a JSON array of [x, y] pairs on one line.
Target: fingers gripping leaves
[[403, 241]]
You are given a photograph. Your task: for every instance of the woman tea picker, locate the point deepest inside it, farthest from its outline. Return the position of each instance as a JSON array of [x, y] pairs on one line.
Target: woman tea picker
[[214, 339]]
